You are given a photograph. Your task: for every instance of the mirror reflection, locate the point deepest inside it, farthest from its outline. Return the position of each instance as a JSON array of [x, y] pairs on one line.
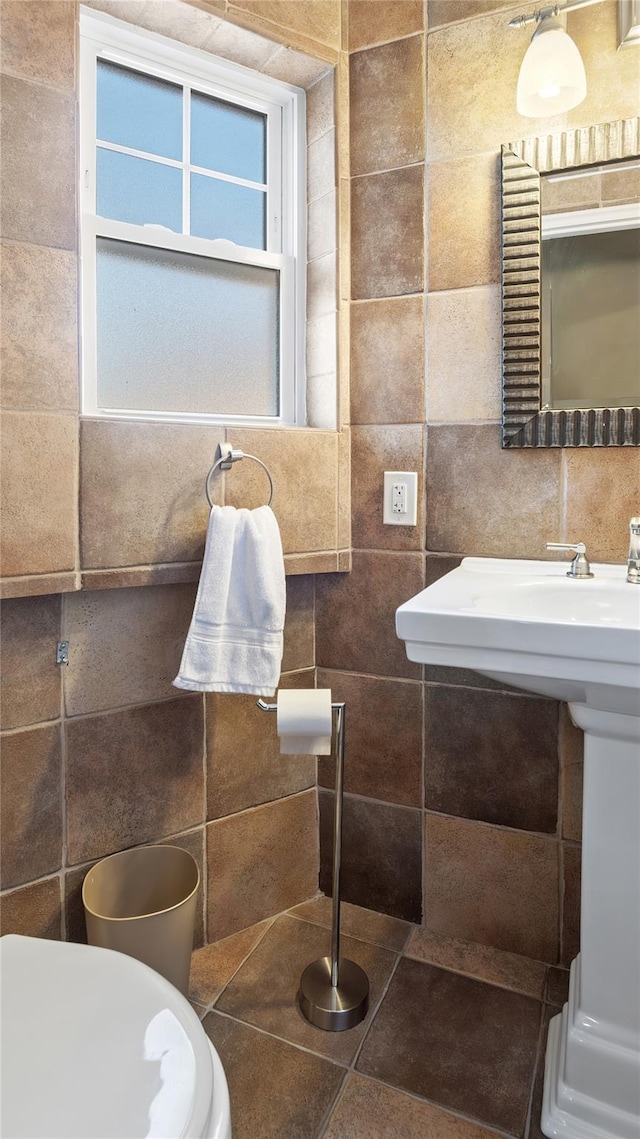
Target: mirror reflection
[[591, 287]]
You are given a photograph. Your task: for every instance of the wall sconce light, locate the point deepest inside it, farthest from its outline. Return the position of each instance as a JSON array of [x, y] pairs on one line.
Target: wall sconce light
[[552, 78]]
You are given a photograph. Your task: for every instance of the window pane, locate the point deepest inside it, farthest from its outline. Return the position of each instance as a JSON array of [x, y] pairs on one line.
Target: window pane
[[184, 333], [224, 209], [136, 190], [139, 111], [229, 139]]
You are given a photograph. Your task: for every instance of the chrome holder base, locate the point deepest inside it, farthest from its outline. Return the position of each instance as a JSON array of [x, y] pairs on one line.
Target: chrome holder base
[[334, 1007]]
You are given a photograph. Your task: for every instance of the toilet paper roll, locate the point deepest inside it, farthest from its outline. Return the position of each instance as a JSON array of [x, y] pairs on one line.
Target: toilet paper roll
[[304, 721]]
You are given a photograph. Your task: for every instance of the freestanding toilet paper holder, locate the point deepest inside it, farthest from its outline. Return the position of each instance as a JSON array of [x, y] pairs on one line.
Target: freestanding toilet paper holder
[[334, 991]]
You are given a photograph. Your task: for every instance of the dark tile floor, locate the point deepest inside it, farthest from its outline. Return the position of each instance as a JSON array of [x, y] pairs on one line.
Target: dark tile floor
[[452, 1046]]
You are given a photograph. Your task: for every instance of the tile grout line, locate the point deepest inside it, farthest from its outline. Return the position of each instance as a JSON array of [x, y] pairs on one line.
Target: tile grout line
[[328, 1116], [352, 936], [451, 1111], [145, 703], [538, 1056], [280, 1039], [385, 989], [561, 900], [385, 43], [270, 922], [484, 980], [459, 818], [415, 165]]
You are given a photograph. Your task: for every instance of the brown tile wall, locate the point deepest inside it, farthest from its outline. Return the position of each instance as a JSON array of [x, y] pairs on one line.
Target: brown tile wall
[[493, 775], [105, 754]]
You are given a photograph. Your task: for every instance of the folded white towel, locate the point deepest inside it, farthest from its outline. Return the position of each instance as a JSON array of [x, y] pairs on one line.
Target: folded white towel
[[234, 643]]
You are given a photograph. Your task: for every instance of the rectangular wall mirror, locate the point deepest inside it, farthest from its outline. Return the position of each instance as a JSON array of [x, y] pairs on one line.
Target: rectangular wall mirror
[[571, 288]]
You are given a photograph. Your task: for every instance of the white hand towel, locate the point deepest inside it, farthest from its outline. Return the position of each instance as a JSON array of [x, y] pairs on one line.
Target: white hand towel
[[234, 643]]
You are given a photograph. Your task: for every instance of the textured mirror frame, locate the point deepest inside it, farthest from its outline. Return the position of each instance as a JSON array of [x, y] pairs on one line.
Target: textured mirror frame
[[524, 424]]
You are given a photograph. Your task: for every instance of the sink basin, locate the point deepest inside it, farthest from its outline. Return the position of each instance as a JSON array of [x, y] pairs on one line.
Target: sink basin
[[603, 603], [529, 625]]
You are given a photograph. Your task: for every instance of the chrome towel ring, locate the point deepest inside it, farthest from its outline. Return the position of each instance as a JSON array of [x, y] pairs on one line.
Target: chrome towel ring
[[227, 456]]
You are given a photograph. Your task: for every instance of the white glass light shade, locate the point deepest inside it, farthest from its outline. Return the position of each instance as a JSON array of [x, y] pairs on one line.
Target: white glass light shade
[[552, 77]]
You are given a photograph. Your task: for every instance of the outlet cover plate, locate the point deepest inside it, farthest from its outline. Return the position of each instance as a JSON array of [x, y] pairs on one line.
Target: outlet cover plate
[[410, 480]]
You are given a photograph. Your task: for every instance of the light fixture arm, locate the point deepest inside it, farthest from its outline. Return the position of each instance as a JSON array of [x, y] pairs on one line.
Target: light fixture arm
[[551, 10]]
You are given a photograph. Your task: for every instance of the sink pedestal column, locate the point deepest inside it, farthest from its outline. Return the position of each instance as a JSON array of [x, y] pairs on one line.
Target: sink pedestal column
[[592, 1074]]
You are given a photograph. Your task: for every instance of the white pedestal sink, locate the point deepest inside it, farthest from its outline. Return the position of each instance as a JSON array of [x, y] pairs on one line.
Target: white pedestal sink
[[528, 624]]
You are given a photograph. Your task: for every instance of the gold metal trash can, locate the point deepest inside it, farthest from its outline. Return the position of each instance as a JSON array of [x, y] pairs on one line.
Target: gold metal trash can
[[143, 902]]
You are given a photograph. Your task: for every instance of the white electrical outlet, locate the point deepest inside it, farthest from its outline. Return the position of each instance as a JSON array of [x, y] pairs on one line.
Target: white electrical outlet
[[400, 498]]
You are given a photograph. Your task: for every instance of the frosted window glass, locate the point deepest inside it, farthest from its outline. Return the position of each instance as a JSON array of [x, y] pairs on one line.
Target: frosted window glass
[[224, 209], [229, 139], [183, 333], [139, 111], [136, 190]]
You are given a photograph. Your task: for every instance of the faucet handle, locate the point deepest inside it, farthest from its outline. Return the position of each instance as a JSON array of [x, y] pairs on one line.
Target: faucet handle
[[580, 565]]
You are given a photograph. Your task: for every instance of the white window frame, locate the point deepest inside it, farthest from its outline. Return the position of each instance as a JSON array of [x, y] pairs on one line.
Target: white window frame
[[104, 37]]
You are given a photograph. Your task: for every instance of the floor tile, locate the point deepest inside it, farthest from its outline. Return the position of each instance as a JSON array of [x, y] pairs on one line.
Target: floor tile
[[277, 1091], [461, 1043], [368, 925], [214, 965], [509, 970], [370, 1110], [263, 992]]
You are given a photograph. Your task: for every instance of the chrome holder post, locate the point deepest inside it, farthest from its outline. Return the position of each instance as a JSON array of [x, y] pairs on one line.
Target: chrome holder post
[[334, 991]]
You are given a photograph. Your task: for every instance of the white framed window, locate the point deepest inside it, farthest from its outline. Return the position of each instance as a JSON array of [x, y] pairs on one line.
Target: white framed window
[[193, 196]]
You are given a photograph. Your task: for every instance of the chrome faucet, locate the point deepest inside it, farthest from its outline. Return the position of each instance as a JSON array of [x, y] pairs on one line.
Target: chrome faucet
[[579, 566], [633, 561]]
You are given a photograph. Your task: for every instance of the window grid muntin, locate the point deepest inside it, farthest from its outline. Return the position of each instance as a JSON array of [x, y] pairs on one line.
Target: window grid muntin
[[157, 158], [272, 188]]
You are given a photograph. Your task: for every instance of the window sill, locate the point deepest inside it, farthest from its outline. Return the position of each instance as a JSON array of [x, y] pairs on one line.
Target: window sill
[[177, 573]]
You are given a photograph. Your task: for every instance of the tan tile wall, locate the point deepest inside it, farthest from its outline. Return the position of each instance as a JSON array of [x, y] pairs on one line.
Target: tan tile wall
[[38, 336], [105, 754], [478, 789], [101, 506]]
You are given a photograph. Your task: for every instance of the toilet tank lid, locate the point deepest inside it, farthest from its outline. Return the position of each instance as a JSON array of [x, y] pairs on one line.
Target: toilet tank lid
[[96, 1044]]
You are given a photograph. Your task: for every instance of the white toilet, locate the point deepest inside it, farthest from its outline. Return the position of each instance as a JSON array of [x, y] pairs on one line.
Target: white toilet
[[95, 1044]]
